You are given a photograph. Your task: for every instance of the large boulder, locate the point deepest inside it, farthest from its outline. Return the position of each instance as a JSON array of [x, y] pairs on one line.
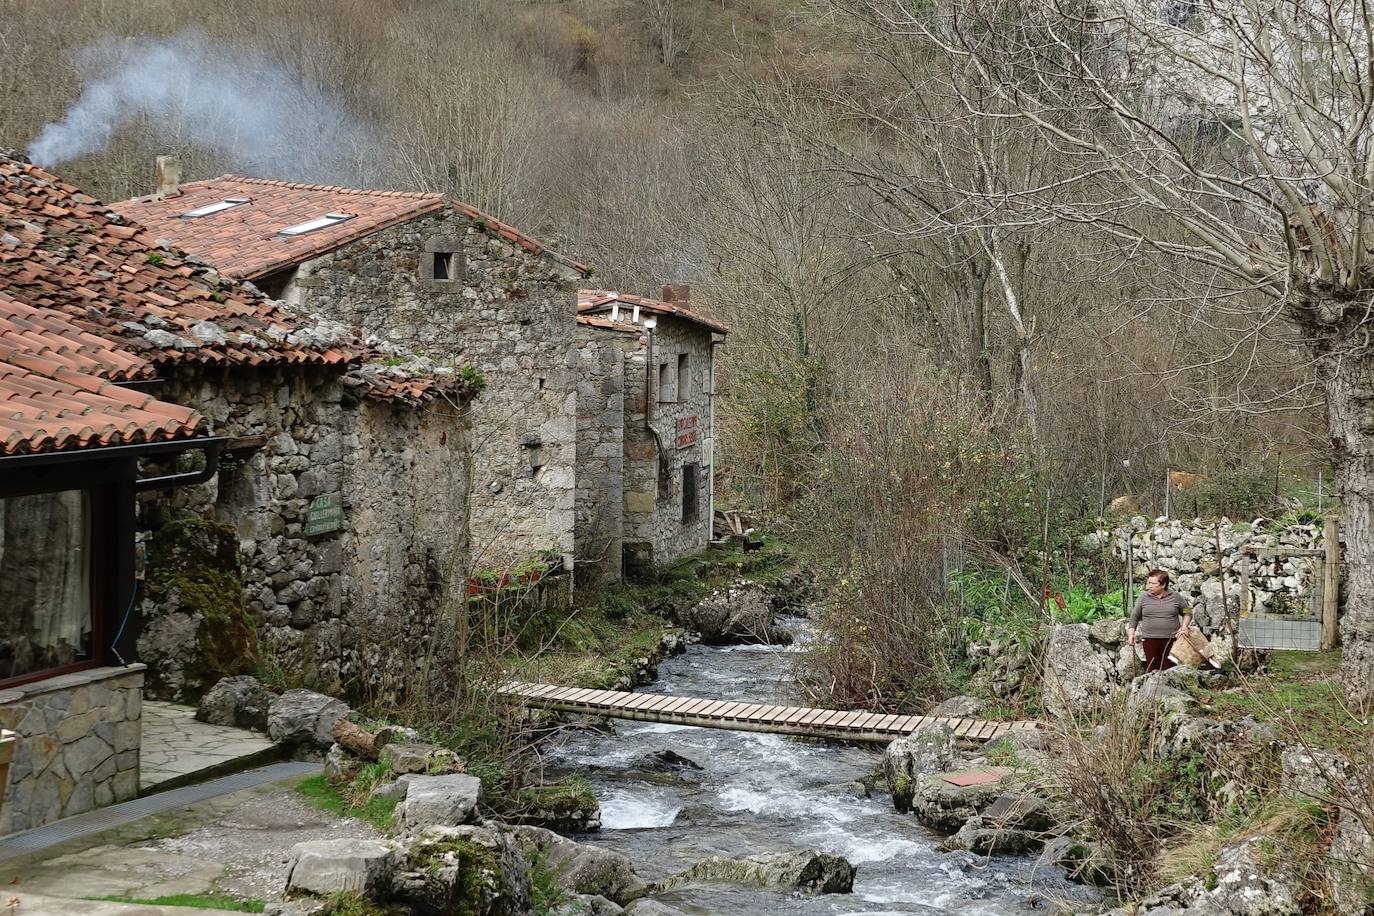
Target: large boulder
[[1159, 693], [241, 701], [444, 801], [345, 866], [1082, 668], [806, 870], [304, 718], [980, 836], [473, 870], [929, 749], [944, 801], [581, 868], [742, 613]]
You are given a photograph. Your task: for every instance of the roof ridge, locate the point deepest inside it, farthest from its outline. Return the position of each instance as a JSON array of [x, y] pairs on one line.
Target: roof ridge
[[335, 189]]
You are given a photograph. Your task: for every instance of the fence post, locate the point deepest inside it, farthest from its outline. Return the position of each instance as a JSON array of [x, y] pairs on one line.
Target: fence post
[[1331, 574]]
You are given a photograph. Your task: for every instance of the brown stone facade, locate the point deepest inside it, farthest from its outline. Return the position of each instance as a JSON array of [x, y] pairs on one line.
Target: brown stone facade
[[78, 747], [501, 309]]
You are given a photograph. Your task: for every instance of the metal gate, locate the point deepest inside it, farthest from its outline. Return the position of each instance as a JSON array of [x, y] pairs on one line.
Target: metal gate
[[1303, 618]]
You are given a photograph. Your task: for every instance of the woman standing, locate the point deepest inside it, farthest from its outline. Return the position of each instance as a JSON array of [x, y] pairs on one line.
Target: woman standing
[[1160, 615]]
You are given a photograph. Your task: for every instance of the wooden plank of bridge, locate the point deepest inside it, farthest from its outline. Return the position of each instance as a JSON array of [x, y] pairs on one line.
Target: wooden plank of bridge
[[712, 709], [863, 722], [635, 701], [792, 715], [674, 704]]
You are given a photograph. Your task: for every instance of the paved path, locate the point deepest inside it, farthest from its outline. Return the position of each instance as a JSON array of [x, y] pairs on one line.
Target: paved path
[[851, 725], [175, 745]]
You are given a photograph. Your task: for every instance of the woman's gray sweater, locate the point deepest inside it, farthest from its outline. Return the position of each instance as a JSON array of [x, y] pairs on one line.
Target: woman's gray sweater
[[1158, 618]]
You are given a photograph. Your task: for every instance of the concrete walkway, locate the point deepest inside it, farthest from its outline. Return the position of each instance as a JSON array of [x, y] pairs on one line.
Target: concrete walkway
[[176, 746]]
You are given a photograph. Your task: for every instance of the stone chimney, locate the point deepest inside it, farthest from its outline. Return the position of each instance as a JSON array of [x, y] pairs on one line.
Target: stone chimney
[[678, 294], [166, 177]]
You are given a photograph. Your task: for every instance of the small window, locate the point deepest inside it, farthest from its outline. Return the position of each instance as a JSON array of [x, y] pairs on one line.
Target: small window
[[684, 377], [323, 222], [690, 473], [228, 203], [443, 265], [665, 386]]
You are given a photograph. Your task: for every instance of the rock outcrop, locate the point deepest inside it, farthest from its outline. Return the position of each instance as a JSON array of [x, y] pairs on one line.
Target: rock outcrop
[[742, 613], [944, 801], [1084, 666], [581, 868], [930, 749], [806, 870], [474, 870]]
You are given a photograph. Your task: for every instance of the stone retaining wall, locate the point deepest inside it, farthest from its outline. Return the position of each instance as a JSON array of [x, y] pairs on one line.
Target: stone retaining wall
[[80, 736]]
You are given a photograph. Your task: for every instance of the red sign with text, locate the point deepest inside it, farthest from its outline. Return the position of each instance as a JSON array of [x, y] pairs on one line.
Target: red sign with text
[[686, 432]]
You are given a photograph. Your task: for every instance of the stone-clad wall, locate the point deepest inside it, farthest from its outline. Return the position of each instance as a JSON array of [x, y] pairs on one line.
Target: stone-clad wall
[[510, 314], [79, 744], [320, 601], [660, 524], [601, 396]]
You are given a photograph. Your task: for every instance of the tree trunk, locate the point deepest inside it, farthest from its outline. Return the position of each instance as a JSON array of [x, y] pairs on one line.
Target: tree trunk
[[978, 333], [1348, 377]]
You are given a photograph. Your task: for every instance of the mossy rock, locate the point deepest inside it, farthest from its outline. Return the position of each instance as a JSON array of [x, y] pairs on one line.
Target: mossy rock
[[196, 629], [569, 806]]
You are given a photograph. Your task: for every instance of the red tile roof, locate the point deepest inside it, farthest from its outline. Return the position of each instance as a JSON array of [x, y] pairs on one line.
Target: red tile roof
[[594, 301], [53, 395], [64, 252], [607, 324], [245, 241]]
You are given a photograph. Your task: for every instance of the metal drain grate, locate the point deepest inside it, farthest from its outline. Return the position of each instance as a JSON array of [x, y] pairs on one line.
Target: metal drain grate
[[70, 828]]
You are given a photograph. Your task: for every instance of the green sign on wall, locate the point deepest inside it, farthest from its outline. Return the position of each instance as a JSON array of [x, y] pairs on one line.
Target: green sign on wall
[[323, 516]]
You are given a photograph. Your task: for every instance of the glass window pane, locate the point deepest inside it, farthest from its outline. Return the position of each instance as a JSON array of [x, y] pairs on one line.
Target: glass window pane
[[45, 582]]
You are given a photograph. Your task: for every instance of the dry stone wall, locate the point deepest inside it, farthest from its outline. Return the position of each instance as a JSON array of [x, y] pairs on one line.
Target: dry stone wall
[[507, 312], [343, 608], [1187, 550], [80, 738], [601, 395]]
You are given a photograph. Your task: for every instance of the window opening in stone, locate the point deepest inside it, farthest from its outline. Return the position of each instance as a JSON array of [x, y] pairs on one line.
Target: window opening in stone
[[45, 583], [228, 203], [314, 225], [665, 391], [443, 265], [690, 472], [684, 378]]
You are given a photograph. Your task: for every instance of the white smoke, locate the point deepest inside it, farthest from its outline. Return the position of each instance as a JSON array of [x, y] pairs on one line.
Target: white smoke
[[264, 119]]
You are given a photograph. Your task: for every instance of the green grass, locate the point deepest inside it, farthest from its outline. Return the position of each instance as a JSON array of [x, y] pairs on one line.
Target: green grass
[[204, 901], [317, 790], [1300, 693]]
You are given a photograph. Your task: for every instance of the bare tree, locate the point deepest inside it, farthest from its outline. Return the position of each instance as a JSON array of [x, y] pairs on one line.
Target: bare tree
[[1232, 140]]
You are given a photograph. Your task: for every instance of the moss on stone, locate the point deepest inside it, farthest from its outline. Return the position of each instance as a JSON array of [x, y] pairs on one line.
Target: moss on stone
[[193, 569], [567, 805], [479, 871]]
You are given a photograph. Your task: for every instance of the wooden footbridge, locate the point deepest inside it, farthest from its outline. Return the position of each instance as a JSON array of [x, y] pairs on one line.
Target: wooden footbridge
[[848, 725]]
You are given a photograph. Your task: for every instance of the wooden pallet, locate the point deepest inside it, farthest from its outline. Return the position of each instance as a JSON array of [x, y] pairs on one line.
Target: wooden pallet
[[851, 725]]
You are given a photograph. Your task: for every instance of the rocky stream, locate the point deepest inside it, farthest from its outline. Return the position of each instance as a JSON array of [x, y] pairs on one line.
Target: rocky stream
[[672, 796]]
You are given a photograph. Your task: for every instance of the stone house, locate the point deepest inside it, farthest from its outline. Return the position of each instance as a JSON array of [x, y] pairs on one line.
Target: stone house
[[646, 429], [440, 279], [188, 468]]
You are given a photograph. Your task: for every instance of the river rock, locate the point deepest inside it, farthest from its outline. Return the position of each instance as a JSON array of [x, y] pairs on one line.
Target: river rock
[[240, 702], [666, 761], [984, 837], [1080, 675], [929, 749], [944, 805], [475, 870], [586, 905], [1020, 811], [346, 866], [648, 907], [304, 717], [807, 870], [438, 800], [581, 868], [1082, 862], [960, 707], [742, 613]]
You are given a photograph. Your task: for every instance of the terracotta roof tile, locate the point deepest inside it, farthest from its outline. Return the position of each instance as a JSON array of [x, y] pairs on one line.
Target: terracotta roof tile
[[245, 241], [606, 324], [64, 253], [595, 301]]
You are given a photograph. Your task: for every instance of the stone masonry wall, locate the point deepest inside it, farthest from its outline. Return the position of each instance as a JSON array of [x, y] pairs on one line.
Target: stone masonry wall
[[80, 737], [332, 607], [660, 525], [1187, 550], [601, 388], [509, 313]]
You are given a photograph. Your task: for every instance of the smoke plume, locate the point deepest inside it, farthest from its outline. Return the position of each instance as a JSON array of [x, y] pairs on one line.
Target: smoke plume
[[262, 118]]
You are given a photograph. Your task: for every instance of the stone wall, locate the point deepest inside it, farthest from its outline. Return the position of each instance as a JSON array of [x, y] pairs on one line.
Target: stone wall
[[507, 312], [329, 607], [79, 745], [1187, 550], [660, 526], [601, 397]]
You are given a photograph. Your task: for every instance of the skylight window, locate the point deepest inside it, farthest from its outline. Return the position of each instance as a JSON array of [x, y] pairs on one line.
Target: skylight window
[[324, 222], [228, 203]]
